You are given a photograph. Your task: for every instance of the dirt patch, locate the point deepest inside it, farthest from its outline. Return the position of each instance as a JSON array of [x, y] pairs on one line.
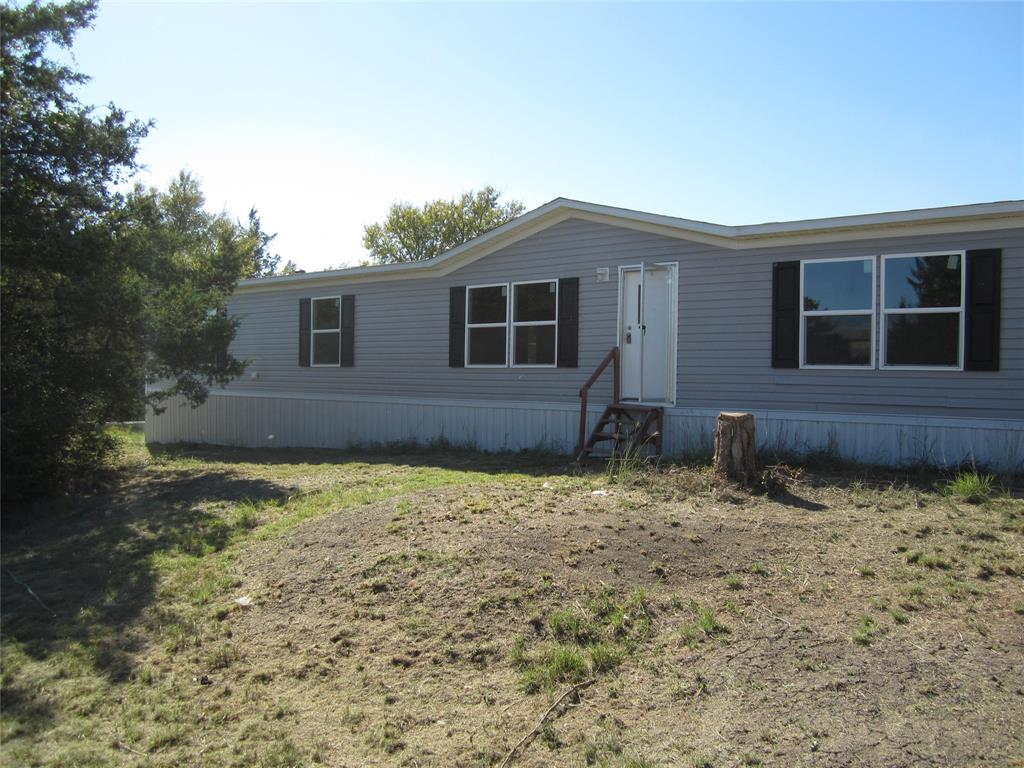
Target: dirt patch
[[426, 609], [390, 628]]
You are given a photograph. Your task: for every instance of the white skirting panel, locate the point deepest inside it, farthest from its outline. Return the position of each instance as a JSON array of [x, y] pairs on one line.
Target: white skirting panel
[[882, 439], [290, 421], [267, 420]]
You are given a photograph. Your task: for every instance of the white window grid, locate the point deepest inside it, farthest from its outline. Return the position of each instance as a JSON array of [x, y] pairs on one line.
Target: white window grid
[[527, 323], [805, 313], [314, 331], [469, 326], [925, 311]]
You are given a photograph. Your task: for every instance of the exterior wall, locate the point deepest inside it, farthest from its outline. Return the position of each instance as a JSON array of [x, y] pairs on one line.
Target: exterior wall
[[401, 387], [401, 345]]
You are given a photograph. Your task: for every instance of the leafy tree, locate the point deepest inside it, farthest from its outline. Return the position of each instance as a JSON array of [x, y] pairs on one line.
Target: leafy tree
[[260, 262], [68, 314], [413, 234], [99, 292], [187, 261]]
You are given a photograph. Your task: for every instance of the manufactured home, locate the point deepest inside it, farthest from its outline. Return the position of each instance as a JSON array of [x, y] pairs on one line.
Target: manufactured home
[[888, 338]]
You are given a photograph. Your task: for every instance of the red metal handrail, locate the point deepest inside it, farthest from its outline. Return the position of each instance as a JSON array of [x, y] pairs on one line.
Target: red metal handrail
[[613, 358]]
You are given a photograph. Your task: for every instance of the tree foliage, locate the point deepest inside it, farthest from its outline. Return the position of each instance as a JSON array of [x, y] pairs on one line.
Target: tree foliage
[[100, 292], [187, 261], [259, 261], [411, 233], [65, 333]]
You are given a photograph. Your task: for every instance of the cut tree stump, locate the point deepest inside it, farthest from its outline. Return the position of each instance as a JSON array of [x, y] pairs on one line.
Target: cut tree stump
[[736, 447]]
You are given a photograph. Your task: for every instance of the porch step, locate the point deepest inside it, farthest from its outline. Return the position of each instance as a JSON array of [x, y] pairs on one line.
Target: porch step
[[606, 436], [633, 424]]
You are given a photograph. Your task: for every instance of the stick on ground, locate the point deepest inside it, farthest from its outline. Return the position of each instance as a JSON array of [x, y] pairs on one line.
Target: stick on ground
[[532, 734], [28, 589]]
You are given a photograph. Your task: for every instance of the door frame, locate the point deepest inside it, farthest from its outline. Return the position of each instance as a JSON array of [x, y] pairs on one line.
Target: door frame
[[673, 267]]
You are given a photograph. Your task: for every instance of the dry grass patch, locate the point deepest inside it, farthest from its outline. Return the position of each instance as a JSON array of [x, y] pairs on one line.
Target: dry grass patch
[[246, 608]]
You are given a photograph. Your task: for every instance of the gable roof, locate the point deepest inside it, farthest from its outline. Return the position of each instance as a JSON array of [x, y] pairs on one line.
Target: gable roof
[[951, 219]]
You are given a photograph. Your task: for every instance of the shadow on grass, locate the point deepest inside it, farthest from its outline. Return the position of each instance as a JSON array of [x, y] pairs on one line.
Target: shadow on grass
[[439, 456], [90, 569], [89, 562], [790, 499]]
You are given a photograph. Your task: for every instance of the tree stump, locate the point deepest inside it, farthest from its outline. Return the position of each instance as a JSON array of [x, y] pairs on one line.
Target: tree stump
[[736, 447]]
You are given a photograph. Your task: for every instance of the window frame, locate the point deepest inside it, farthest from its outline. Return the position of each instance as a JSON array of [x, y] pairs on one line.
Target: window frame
[[513, 324], [924, 311], [505, 325], [313, 332], [873, 313]]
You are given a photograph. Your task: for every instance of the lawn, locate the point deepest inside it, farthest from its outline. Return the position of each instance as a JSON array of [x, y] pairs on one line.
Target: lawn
[[220, 607]]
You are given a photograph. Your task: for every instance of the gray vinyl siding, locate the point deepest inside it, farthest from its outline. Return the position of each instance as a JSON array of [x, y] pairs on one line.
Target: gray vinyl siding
[[401, 346]]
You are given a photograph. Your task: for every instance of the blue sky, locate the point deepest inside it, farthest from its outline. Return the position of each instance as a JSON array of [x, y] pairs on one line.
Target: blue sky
[[322, 115]]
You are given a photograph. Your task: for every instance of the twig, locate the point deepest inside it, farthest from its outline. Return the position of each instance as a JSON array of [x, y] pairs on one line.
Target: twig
[[29, 590], [122, 745], [767, 610], [532, 734]]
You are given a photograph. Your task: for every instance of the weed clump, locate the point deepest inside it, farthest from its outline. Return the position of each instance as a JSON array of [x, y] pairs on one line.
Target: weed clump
[[931, 560], [574, 644], [705, 626], [971, 487], [867, 628]]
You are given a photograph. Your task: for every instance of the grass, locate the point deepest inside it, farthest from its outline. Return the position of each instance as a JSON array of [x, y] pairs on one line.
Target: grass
[[705, 626], [166, 562], [734, 581], [866, 630], [971, 487], [446, 599], [582, 643], [933, 560]]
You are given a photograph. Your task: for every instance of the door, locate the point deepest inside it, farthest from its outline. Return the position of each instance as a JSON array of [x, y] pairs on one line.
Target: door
[[647, 333]]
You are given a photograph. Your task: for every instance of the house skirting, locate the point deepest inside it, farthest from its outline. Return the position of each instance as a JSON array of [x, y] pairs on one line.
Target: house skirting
[[263, 419]]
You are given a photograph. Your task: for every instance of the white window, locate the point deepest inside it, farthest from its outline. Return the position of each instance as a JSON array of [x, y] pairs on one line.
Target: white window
[[325, 340], [535, 324], [923, 310], [837, 313], [487, 326]]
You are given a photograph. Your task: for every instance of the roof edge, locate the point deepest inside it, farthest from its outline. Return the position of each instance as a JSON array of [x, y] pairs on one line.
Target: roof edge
[[734, 237]]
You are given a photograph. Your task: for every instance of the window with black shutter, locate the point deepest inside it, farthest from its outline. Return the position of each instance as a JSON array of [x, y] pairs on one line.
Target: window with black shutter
[[327, 331], [937, 310], [348, 331], [457, 326], [304, 334], [568, 322], [982, 310], [785, 314], [532, 324]]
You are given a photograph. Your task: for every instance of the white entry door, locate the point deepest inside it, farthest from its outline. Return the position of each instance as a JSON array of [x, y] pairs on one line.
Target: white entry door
[[647, 333]]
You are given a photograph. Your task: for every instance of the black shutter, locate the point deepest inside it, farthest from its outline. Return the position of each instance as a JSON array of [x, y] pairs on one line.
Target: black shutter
[[348, 332], [568, 322], [304, 320], [457, 327], [981, 319], [786, 314]]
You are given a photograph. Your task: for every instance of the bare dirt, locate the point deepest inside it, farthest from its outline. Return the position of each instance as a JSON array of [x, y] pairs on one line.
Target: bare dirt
[[432, 609], [388, 629]]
